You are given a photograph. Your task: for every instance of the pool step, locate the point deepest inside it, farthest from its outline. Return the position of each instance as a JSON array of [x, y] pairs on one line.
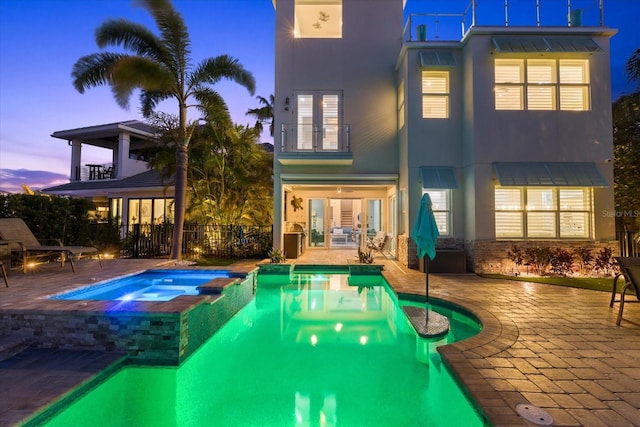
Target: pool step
[[11, 345]]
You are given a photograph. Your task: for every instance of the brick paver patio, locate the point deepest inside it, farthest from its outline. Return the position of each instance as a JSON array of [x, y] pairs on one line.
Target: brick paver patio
[[553, 347]]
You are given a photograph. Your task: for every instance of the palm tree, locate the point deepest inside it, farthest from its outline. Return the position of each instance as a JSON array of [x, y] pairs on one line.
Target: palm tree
[[264, 113], [161, 67]]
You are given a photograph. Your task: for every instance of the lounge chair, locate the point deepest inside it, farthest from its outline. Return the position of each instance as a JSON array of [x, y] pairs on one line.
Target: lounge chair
[[376, 241], [383, 246], [630, 271], [23, 241]]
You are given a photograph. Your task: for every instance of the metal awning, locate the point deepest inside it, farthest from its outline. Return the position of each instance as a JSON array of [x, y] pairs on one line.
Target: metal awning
[[438, 177], [437, 58], [545, 44], [551, 174]]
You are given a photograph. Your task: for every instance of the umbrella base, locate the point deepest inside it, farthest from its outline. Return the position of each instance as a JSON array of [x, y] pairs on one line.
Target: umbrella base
[[436, 326]]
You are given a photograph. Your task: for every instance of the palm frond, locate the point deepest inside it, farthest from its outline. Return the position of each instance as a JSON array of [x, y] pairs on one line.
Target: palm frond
[[134, 72], [94, 70], [173, 30], [130, 36], [149, 100], [633, 67], [212, 70], [212, 105]]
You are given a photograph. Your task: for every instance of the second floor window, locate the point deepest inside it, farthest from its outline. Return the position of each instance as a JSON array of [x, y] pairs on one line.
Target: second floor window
[[318, 121], [435, 94], [542, 84]]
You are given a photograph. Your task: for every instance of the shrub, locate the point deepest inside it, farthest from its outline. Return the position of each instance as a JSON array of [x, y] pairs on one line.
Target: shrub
[[277, 256], [561, 261], [515, 255], [584, 257], [365, 257], [538, 257], [604, 263]]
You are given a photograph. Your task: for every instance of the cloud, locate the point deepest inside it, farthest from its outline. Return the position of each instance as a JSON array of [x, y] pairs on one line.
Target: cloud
[[11, 180]]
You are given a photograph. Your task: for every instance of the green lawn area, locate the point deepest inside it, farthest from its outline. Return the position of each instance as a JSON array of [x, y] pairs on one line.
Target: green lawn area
[[596, 284]]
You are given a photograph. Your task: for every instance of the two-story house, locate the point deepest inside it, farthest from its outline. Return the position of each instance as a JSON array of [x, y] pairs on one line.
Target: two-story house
[[125, 188], [507, 127]]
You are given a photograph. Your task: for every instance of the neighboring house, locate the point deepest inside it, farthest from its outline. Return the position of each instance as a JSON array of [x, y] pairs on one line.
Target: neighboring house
[[125, 188], [507, 127]]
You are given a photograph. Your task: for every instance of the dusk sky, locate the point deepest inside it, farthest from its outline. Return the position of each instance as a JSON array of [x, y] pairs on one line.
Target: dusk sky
[[40, 40]]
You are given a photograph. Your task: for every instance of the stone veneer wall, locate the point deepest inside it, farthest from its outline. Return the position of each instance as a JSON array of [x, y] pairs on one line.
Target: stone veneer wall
[[407, 252], [490, 256], [154, 337]]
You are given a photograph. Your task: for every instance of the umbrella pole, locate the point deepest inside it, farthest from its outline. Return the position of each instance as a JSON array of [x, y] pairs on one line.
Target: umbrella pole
[[426, 270]]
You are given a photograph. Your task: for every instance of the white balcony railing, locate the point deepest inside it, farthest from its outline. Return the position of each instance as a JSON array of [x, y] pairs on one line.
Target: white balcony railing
[[453, 25], [302, 138]]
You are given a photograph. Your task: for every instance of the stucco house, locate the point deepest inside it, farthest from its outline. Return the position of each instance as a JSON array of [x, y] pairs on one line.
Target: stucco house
[[125, 188], [505, 123]]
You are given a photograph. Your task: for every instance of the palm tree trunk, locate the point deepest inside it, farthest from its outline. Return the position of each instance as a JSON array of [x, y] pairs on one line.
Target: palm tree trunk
[[182, 160]]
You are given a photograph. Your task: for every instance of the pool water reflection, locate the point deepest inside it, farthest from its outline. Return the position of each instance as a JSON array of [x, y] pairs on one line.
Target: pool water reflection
[[310, 350]]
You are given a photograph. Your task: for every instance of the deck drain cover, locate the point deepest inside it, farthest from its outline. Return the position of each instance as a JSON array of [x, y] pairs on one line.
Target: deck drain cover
[[534, 414]]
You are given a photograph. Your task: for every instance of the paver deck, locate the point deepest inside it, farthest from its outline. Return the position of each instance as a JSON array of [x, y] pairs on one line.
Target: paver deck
[[554, 347]]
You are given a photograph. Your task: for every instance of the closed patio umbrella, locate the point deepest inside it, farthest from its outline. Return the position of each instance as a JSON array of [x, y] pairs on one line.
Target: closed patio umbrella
[[425, 233]]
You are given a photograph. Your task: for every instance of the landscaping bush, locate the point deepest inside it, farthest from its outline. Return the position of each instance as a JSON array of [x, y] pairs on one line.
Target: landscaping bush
[[561, 261], [62, 218], [584, 257], [604, 262], [539, 257]]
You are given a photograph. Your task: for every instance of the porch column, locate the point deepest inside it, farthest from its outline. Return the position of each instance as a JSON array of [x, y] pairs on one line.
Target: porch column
[[76, 156], [123, 154]]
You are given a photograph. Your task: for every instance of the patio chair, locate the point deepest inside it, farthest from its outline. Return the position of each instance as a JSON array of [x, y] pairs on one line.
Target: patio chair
[[383, 246], [630, 271], [23, 241], [376, 241]]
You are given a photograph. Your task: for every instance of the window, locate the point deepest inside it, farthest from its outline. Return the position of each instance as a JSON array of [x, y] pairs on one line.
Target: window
[[441, 205], [115, 210], [435, 94], [538, 84], [543, 212], [574, 85], [319, 121], [150, 211], [318, 19]]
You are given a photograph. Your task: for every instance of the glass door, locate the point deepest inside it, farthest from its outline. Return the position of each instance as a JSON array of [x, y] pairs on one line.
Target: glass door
[[344, 225], [373, 220], [317, 223]]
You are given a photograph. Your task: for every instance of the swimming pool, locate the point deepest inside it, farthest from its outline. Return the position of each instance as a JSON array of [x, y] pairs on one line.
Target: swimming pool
[[310, 349], [150, 285]]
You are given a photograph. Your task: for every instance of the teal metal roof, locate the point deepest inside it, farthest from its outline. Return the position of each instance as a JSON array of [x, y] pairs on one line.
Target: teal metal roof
[[438, 177], [548, 44], [437, 58], [549, 174]]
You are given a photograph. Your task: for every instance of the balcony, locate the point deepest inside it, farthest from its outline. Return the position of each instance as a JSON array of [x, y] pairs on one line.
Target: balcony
[[96, 172], [448, 24], [306, 144]]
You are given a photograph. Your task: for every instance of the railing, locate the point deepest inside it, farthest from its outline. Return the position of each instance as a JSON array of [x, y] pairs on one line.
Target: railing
[[629, 243], [454, 26], [95, 172], [199, 241], [312, 138]]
